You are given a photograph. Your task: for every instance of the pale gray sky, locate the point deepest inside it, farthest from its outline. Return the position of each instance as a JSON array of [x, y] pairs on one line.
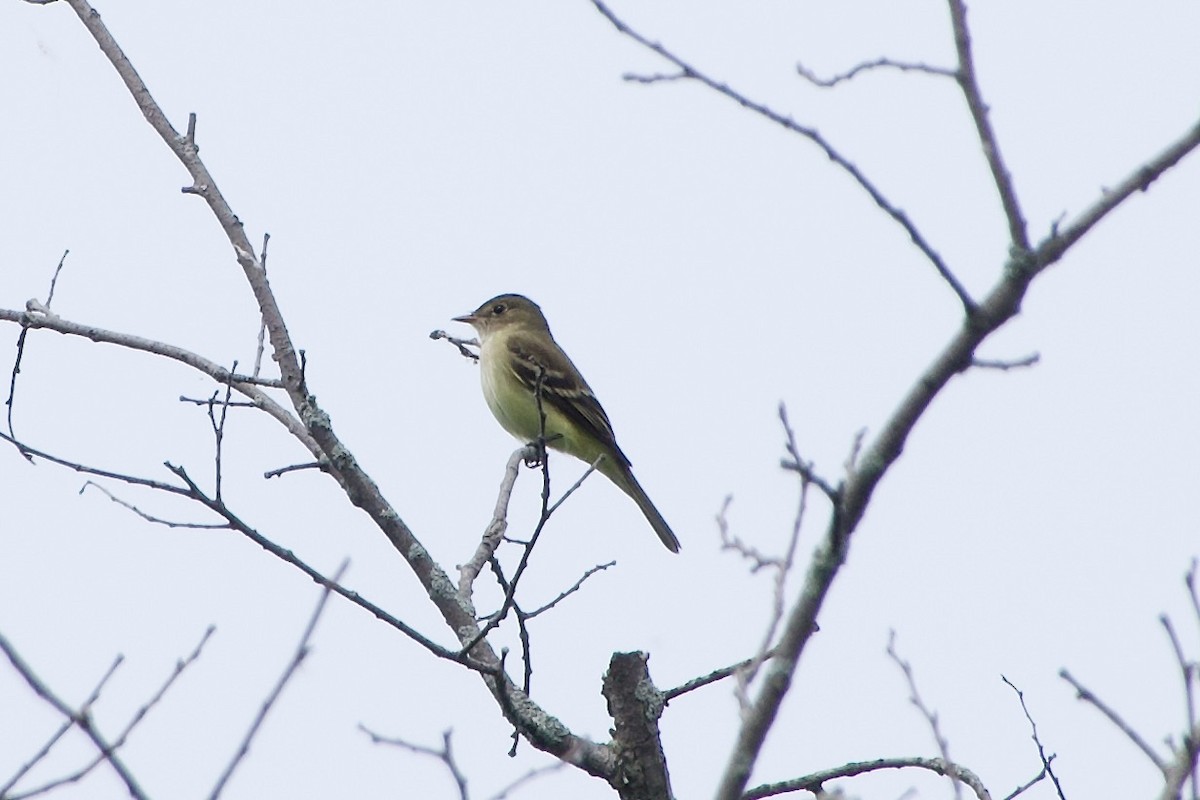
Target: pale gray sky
[[700, 265]]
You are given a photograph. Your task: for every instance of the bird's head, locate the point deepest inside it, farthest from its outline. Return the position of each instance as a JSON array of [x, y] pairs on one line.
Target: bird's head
[[504, 312]]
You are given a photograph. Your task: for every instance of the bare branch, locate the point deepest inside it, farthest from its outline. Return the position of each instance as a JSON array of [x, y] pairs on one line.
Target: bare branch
[[712, 677], [1005, 366], [133, 480], [801, 624], [262, 325], [237, 524], [54, 280], [1187, 670], [313, 426], [1053, 247], [1189, 580], [137, 717], [574, 487], [965, 74], [563, 595], [301, 653], [814, 136], [494, 533], [795, 463], [816, 781], [279, 471], [782, 566], [150, 517], [1047, 769], [204, 401], [82, 719], [62, 730], [1086, 696], [1001, 304], [37, 317], [16, 368], [871, 66], [1184, 766], [12, 390], [539, 448], [445, 754], [914, 697], [461, 344], [532, 774], [218, 429], [657, 77], [1024, 787], [635, 705]]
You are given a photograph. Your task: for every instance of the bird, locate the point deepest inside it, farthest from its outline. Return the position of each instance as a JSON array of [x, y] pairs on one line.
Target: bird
[[517, 353]]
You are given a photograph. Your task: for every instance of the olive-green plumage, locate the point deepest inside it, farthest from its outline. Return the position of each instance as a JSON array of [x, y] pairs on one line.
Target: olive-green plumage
[[516, 346]]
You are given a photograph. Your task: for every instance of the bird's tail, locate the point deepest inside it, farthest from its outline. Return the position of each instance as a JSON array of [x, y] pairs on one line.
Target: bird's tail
[[631, 487]]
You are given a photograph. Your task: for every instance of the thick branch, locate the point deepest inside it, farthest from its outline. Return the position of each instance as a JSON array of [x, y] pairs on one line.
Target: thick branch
[[635, 706]]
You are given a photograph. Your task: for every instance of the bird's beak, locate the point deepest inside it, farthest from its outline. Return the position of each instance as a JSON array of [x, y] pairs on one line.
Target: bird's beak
[[467, 318]]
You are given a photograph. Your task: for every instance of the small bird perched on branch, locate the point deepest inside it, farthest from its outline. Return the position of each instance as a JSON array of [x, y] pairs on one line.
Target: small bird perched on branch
[[517, 353]]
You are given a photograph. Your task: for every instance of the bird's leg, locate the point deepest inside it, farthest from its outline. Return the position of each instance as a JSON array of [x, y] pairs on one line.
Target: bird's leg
[[537, 457]]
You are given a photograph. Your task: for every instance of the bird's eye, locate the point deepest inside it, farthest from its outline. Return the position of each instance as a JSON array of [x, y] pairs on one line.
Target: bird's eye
[[499, 309]]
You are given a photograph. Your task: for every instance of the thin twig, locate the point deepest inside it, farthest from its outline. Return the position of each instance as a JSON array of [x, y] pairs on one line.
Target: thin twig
[[1189, 580], [10, 402], [1027, 785], [82, 719], [574, 487], [1047, 767], [137, 717], [536, 772], [239, 525], [931, 717], [150, 517], [54, 280], [36, 316], [1183, 768], [712, 677], [1018, 234], [870, 66], [795, 463], [1187, 670], [1086, 696], [57, 735], [814, 136], [278, 471], [83, 469], [445, 754], [1000, 364], [204, 401], [16, 368], [567, 593], [461, 344], [301, 653], [262, 325], [218, 428], [544, 517]]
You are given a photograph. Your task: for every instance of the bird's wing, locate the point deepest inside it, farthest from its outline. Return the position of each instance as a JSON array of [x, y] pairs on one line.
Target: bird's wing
[[563, 387]]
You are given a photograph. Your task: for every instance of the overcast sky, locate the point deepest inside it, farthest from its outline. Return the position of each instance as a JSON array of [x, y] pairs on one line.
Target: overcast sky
[[701, 265]]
